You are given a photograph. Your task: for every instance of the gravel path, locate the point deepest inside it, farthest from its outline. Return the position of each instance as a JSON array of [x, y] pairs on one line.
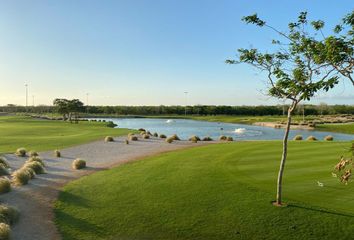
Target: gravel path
[[36, 199]]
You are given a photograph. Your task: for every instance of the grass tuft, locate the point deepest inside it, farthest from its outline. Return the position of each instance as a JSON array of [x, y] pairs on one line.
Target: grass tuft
[[57, 153], [79, 164], [109, 139], [35, 159], [8, 215], [194, 138], [169, 140], [5, 231], [146, 136], [311, 138], [37, 167], [21, 152], [4, 162], [21, 176], [207, 139], [3, 170], [297, 138], [222, 138], [5, 185], [126, 141], [163, 136], [175, 137], [155, 134], [133, 138], [33, 154], [229, 139], [328, 138]]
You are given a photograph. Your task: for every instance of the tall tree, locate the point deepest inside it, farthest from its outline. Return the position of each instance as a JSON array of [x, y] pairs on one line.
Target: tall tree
[[292, 72]]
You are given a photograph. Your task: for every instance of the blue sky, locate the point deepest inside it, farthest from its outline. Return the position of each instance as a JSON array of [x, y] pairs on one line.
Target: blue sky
[[140, 52]]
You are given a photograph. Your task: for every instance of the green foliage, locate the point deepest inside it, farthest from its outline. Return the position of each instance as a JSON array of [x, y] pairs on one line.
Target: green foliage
[[111, 124]]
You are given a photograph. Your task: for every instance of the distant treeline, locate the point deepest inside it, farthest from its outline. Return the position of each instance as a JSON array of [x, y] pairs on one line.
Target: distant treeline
[[322, 109]]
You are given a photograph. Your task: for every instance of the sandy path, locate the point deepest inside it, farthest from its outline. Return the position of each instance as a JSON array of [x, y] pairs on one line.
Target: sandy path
[[36, 199]]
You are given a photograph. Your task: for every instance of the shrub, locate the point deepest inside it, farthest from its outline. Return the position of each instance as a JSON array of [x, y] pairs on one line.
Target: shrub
[[8, 215], [4, 162], [142, 133], [4, 231], [79, 163], [146, 136], [57, 153], [35, 159], [163, 136], [130, 134], [21, 176], [30, 172], [111, 124], [149, 133], [297, 138], [222, 138], [5, 185], [141, 130], [133, 138], [328, 138], [126, 141], [21, 152], [33, 154], [37, 167], [108, 139], [169, 140], [312, 125], [207, 139], [229, 139], [311, 138], [175, 137], [155, 134], [194, 138], [3, 170]]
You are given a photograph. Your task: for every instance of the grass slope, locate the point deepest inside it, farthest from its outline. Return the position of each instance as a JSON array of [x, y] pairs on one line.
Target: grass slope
[[343, 128], [221, 191], [39, 135]]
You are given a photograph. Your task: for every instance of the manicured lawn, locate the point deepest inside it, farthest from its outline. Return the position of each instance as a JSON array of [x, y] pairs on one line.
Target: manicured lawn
[[343, 128], [221, 191], [39, 135]]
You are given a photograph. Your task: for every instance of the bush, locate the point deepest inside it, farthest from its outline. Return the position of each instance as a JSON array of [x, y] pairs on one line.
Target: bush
[[163, 136], [4, 162], [155, 134], [3, 170], [297, 138], [229, 139], [79, 163], [35, 159], [194, 138], [57, 153], [4, 231], [21, 152], [328, 138], [169, 140], [21, 176], [146, 136], [108, 139], [8, 215], [133, 138], [111, 124], [141, 130], [142, 133], [30, 172], [311, 138], [5, 185], [149, 133], [175, 137], [222, 138], [207, 139], [33, 154], [37, 167], [126, 141], [130, 134]]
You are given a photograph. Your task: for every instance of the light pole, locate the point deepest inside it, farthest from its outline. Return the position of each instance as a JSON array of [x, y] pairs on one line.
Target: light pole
[[185, 109], [87, 96], [26, 86], [33, 100]]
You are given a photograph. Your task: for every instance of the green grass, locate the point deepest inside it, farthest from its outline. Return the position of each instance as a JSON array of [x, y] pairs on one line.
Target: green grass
[[221, 191], [40, 135], [343, 128]]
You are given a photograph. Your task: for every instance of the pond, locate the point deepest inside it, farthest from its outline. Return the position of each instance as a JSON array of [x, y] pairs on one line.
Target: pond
[[185, 128]]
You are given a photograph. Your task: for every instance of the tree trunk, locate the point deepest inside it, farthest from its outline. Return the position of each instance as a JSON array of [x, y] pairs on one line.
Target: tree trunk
[[284, 155]]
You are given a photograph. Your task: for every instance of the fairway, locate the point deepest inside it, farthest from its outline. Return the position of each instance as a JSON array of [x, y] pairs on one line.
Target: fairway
[[41, 135], [221, 191]]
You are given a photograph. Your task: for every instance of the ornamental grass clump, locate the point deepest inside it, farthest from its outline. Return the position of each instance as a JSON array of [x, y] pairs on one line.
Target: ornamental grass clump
[[126, 141], [5, 185], [37, 167], [21, 152], [155, 134], [4, 162], [108, 139], [79, 164], [169, 140], [229, 139], [8, 215], [194, 138], [146, 136], [222, 138], [33, 154], [5, 231], [57, 153], [35, 159], [163, 136], [133, 138], [311, 138], [297, 138], [175, 137], [328, 138], [3, 170], [206, 139], [21, 176]]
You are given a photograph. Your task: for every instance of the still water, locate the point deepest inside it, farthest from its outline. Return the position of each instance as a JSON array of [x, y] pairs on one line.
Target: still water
[[185, 128]]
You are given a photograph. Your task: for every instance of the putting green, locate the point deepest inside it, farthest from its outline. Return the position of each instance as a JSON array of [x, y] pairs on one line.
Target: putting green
[[221, 191]]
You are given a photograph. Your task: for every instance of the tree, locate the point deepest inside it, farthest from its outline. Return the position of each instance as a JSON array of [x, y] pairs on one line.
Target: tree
[[68, 108], [292, 72], [61, 105]]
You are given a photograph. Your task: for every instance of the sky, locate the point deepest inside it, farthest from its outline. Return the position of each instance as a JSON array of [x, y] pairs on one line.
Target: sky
[[145, 52]]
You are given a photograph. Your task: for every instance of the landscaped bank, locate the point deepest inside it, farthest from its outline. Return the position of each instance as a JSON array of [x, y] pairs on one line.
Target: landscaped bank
[[221, 191]]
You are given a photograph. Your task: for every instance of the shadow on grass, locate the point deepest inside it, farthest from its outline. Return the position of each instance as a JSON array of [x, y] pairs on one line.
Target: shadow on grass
[[73, 199], [319, 210]]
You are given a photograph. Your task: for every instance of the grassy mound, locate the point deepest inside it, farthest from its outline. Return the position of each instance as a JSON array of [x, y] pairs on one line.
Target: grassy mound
[[79, 164], [221, 191]]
